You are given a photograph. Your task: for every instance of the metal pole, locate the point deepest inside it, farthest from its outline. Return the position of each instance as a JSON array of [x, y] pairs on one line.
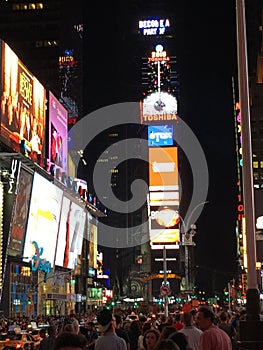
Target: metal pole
[[229, 292], [186, 268], [165, 281], [253, 303]]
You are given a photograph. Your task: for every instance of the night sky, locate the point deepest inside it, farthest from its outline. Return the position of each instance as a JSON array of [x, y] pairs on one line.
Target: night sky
[[205, 48]]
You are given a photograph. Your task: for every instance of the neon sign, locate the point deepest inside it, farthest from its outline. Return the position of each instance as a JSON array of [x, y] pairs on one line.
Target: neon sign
[[154, 26], [39, 263]]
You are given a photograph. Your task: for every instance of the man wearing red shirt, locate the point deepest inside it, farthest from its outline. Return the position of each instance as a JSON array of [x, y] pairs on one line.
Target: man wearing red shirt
[[212, 338]]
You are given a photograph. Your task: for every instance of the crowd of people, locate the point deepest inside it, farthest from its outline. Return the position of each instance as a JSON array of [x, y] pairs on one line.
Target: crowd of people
[[200, 329]]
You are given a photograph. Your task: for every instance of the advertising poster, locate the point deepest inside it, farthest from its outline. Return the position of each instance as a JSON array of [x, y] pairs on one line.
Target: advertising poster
[[93, 246], [58, 135], [43, 219], [23, 99], [160, 135], [164, 224], [70, 235], [163, 169], [20, 212]]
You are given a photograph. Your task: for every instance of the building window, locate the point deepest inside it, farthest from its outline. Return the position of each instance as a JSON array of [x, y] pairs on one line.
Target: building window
[[255, 165]]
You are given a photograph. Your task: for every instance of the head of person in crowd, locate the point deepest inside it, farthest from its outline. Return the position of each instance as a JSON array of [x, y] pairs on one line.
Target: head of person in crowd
[[205, 318], [223, 317], [90, 326], [167, 331], [180, 339], [135, 327], [70, 341], [169, 320], [187, 319], [150, 339], [106, 321], [68, 328], [166, 344], [43, 333], [52, 331], [119, 321]]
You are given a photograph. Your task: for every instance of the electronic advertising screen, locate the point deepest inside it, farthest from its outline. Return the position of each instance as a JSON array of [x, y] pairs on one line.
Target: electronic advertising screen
[[164, 224], [20, 213], [43, 219], [70, 235], [160, 135], [159, 107], [164, 198], [58, 136], [93, 239], [23, 112], [163, 169]]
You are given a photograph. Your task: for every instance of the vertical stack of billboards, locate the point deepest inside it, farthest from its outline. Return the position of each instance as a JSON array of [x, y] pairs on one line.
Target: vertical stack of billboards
[[159, 112], [40, 222]]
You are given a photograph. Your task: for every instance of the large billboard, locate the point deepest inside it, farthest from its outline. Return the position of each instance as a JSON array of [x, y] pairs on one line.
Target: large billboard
[[43, 220], [20, 213], [23, 102], [159, 107], [164, 225], [163, 169], [70, 235], [58, 136]]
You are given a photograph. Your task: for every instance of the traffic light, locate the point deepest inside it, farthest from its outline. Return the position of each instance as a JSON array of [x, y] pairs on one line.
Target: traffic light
[[29, 301]]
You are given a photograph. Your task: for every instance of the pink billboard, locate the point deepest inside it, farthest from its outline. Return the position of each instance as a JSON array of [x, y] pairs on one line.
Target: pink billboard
[[58, 136], [23, 105]]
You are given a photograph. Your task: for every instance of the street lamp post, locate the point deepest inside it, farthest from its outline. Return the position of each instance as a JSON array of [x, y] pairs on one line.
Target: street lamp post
[[252, 328], [166, 301], [188, 242]]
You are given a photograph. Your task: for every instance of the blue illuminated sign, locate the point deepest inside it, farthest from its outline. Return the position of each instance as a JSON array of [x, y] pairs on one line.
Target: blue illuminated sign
[[160, 135]]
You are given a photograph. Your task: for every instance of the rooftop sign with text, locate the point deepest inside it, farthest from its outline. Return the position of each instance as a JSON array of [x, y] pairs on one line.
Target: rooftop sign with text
[[154, 26]]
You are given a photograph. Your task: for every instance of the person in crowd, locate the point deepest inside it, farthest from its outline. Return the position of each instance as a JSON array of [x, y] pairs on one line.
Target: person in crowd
[[74, 322], [69, 341], [162, 323], [134, 333], [108, 338], [69, 328], [212, 338], [90, 333], [166, 344], [145, 327], [43, 333], [167, 331], [150, 338], [227, 326], [180, 339], [48, 342], [192, 333], [120, 331], [178, 324]]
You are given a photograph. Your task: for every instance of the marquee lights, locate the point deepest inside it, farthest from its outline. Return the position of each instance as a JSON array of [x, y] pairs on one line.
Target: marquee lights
[[154, 26]]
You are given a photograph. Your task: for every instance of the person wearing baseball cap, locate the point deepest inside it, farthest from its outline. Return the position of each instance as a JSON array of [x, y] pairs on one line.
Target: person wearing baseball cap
[[108, 338]]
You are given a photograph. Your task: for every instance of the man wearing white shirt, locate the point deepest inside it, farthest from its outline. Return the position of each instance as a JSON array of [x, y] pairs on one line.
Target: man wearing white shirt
[[192, 333]]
